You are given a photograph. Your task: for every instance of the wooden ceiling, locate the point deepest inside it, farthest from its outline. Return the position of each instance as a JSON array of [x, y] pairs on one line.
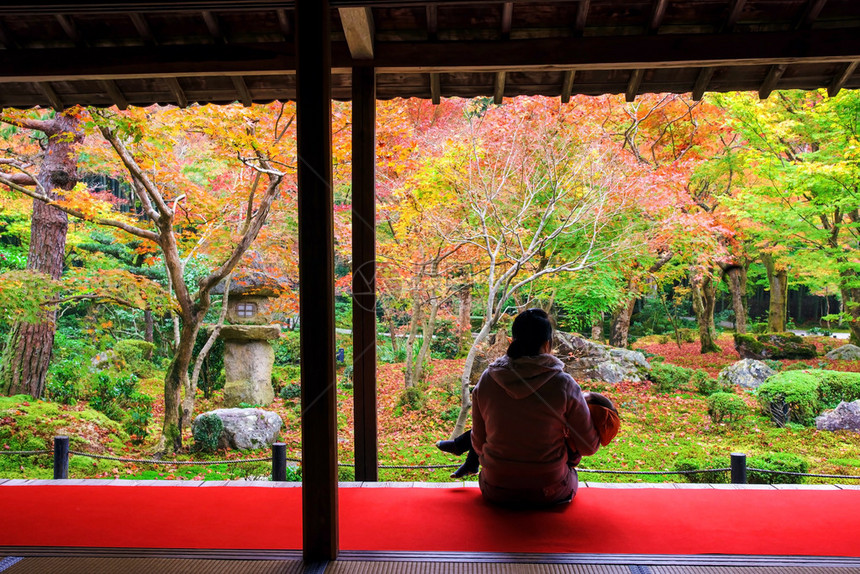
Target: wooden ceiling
[[139, 52]]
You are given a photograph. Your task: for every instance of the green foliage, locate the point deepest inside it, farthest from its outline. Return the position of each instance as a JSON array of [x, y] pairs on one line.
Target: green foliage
[[777, 461], [139, 415], [727, 407], [412, 398], [446, 342], [669, 378], [687, 462], [136, 356], [288, 349], [285, 376], [212, 370], [207, 432], [796, 367], [773, 364], [451, 415], [110, 392], [835, 387], [704, 383], [291, 392], [776, 345], [795, 390]]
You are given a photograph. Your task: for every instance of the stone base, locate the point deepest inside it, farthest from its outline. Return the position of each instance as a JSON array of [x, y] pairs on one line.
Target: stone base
[[248, 373]]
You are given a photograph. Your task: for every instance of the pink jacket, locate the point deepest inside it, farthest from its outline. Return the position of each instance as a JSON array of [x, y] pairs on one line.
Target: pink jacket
[[527, 414]]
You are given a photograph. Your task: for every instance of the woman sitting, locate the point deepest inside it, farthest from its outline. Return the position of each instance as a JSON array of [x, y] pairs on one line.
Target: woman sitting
[[530, 421]]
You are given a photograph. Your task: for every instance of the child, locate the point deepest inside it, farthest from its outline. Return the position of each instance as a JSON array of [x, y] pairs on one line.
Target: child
[[604, 415]]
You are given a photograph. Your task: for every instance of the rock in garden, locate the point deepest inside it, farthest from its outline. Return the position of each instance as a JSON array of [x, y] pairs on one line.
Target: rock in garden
[[846, 416], [773, 346], [246, 428], [583, 358], [747, 373], [847, 352]]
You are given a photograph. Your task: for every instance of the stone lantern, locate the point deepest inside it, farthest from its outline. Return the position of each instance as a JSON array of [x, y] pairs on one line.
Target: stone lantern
[[248, 354]]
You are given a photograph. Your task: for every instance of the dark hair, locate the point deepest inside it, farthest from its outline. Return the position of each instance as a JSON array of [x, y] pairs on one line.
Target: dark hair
[[531, 329]]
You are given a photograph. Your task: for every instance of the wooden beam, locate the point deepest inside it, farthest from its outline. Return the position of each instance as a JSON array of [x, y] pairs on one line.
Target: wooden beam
[[587, 53], [364, 273], [48, 91], [242, 90], [499, 88], [839, 81], [6, 40], [143, 29], [115, 94], [567, 85], [71, 30], [657, 15], [177, 91], [507, 18], [810, 13], [214, 26], [735, 9], [284, 24], [770, 81], [432, 22], [316, 281], [633, 85], [435, 89], [702, 81], [358, 29], [581, 17]]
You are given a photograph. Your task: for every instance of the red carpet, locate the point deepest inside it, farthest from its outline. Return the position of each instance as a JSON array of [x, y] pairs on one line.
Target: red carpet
[[630, 521]]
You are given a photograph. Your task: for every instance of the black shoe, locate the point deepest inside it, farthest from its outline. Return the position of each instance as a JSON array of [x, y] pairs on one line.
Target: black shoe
[[468, 468], [451, 447]]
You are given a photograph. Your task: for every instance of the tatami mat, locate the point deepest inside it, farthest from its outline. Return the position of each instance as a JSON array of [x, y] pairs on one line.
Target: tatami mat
[[65, 565], [102, 565]]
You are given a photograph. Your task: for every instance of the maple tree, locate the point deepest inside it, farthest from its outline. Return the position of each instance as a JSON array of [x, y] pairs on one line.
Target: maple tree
[[800, 204], [205, 183], [27, 354]]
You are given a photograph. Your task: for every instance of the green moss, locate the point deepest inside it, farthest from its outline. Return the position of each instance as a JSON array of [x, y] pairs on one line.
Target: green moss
[[748, 341], [796, 390]]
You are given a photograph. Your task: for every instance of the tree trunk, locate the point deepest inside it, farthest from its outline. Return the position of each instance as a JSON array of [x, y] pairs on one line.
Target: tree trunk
[[704, 299], [464, 320], [737, 282], [429, 326], [465, 395], [621, 323], [149, 335], [415, 321], [777, 276], [28, 349], [597, 327], [175, 380]]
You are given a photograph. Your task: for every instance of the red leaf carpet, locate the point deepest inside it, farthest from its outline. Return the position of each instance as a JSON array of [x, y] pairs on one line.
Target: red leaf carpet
[[616, 520]]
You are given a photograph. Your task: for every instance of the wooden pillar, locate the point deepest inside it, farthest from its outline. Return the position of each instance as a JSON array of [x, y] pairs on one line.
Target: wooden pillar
[[364, 271], [316, 281]]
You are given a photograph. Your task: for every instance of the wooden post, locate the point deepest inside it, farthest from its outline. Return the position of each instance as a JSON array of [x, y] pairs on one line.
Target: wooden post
[[61, 457], [364, 271], [316, 280]]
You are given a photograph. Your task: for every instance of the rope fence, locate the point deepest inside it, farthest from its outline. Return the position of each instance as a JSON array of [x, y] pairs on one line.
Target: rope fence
[[279, 459]]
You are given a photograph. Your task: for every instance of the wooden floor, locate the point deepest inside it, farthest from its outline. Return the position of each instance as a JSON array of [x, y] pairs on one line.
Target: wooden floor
[[110, 561]]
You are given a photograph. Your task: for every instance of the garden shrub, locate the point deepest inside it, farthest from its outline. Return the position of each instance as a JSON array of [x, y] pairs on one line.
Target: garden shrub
[[727, 407], [412, 398], [778, 461], [791, 393], [773, 364], [135, 356], [285, 375], [139, 410], [63, 382], [796, 367], [688, 463], [291, 391], [288, 349], [837, 386], [111, 391], [668, 377], [704, 383], [446, 342], [207, 432], [688, 335]]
